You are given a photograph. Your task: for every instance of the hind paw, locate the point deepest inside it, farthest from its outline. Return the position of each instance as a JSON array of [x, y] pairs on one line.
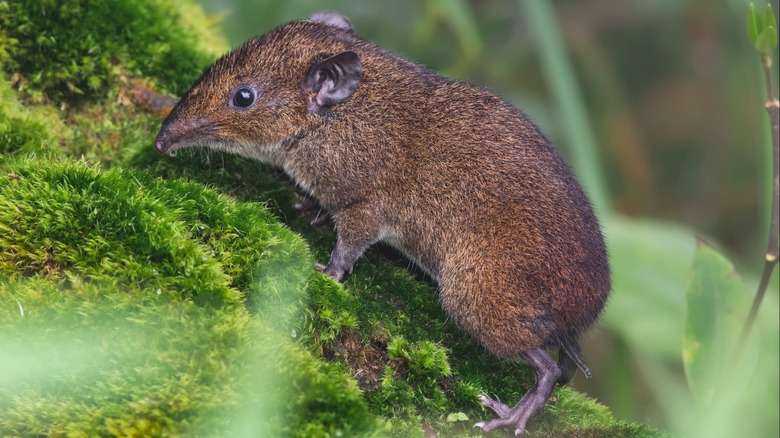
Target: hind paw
[[515, 417]]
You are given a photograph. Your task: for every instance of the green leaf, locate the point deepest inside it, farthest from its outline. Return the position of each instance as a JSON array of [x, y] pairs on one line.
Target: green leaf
[[767, 40], [754, 24], [769, 17], [457, 416], [762, 28], [717, 307]]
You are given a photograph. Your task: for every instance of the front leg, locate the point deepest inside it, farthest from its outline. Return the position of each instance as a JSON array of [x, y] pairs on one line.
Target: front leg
[[308, 204], [357, 228]]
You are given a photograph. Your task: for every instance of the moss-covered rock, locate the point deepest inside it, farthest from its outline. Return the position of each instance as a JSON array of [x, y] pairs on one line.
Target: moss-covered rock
[[153, 295], [123, 315]]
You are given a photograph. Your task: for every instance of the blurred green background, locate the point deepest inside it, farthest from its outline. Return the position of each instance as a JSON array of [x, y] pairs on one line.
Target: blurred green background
[[672, 94]]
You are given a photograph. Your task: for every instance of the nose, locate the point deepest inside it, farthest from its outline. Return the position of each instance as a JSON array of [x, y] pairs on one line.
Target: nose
[[160, 144]]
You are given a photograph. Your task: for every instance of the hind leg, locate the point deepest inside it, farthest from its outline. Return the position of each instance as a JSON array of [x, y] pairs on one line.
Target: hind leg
[[547, 374]]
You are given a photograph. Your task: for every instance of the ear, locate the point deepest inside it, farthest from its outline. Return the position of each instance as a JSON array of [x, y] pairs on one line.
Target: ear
[[332, 19], [332, 80]]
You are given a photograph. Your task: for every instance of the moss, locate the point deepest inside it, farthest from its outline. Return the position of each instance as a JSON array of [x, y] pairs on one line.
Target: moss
[[158, 367], [103, 132], [65, 60], [183, 366], [70, 220], [241, 178], [24, 129], [78, 81], [327, 403], [154, 366], [73, 220]]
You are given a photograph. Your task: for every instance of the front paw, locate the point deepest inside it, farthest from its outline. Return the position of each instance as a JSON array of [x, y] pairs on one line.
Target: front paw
[[335, 272], [309, 205]]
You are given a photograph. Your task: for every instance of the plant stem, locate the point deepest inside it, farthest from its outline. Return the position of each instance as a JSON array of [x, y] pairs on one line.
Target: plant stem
[[563, 86], [773, 109]]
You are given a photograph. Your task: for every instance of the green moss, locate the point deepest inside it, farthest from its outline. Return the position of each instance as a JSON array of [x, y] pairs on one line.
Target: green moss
[[158, 362], [66, 219], [68, 50], [90, 360], [327, 402], [158, 367], [97, 132], [24, 129], [103, 132], [426, 362], [241, 178], [84, 58]]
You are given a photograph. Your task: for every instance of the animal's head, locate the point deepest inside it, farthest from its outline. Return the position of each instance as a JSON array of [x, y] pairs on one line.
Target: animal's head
[[268, 90]]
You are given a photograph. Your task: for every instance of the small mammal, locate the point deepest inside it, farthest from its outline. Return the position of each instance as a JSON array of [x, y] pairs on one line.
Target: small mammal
[[453, 176]]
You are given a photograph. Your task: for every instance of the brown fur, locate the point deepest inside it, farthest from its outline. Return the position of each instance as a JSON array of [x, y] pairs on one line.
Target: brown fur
[[453, 176]]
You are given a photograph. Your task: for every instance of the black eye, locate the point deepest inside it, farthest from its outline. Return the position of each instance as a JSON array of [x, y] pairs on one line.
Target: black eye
[[243, 97]]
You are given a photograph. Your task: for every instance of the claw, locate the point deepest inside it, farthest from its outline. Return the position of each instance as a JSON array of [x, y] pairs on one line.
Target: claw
[[331, 271], [309, 204], [496, 406], [547, 373], [321, 219]]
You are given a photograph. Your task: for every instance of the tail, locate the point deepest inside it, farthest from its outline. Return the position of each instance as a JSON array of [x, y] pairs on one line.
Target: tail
[[569, 356]]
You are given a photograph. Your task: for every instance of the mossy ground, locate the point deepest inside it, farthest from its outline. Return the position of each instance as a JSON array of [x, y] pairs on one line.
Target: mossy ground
[[155, 295]]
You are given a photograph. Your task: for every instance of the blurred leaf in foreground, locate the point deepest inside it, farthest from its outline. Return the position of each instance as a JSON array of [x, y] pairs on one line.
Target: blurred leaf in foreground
[[649, 267], [717, 306]]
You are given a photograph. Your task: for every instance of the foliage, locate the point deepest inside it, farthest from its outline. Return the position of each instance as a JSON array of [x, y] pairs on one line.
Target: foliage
[[717, 304]]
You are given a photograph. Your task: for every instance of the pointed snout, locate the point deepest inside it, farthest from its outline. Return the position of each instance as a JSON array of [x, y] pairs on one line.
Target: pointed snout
[[160, 144], [163, 143], [175, 134]]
